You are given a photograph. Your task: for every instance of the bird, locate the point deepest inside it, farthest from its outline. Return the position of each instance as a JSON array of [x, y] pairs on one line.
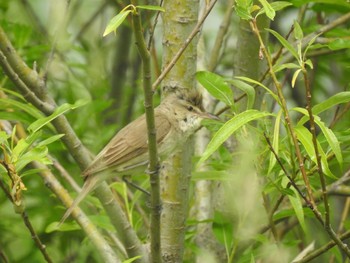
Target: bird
[[176, 118]]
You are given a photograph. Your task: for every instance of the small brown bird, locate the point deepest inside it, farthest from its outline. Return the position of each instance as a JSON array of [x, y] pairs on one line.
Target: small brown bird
[[176, 118]]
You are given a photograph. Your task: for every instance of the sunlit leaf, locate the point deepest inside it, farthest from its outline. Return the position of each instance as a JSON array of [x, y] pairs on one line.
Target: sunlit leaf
[[243, 9], [305, 137], [298, 208], [151, 7], [298, 32], [277, 68], [36, 154], [116, 22], [278, 5], [275, 141], [295, 76], [339, 98], [270, 12], [216, 86], [130, 260], [50, 140], [332, 140], [38, 124], [285, 43], [229, 128]]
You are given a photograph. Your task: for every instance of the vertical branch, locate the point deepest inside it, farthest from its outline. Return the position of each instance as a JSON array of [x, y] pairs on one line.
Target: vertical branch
[[33, 88], [285, 111], [317, 153], [152, 142], [310, 200]]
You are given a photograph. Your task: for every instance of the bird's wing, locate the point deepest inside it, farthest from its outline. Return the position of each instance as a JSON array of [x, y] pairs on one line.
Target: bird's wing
[[122, 149]]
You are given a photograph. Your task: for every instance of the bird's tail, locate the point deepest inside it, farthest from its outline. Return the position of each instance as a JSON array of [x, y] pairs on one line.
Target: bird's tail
[[88, 186]]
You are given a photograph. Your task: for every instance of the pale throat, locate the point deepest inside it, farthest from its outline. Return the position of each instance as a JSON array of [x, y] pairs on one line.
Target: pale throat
[[189, 124]]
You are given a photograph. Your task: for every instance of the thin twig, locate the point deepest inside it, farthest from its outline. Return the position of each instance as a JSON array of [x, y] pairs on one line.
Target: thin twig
[[317, 153], [215, 51], [152, 141], [153, 28], [284, 107], [37, 86]]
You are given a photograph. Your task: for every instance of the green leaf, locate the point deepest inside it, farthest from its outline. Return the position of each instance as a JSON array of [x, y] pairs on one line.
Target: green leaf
[[285, 43], [277, 68], [298, 208], [8, 103], [309, 44], [332, 140], [309, 63], [243, 13], [36, 154], [116, 22], [298, 32], [339, 98], [216, 86], [21, 146], [243, 9], [278, 5], [247, 89], [339, 43], [38, 124], [229, 128], [151, 7], [261, 85], [50, 140], [130, 260], [295, 76], [270, 12], [3, 137], [305, 137], [275, 141]]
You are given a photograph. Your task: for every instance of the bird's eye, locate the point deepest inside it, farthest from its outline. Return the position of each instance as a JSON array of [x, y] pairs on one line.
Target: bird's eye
[[190, 108]]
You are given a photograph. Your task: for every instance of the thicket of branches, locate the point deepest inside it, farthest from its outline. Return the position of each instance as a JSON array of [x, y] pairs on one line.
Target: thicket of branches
[[268, 184]]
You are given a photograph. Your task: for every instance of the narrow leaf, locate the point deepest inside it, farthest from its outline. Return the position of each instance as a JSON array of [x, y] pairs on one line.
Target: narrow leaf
[[305, 137], [8, 103], [38, 124], [285, 43], [278, 5], [116, 22], [275, 141], [268, 9], [151, 7], [277, 68], [35, 154], [295, 76], [247, 89], [261, 85], [298, 208], [298, 32], [339, 98], [332, 140], [216, 86], [229, 128], [50, 140]]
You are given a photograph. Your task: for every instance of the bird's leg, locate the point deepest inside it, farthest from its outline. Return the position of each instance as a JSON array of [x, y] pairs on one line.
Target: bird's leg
[[130, 183]]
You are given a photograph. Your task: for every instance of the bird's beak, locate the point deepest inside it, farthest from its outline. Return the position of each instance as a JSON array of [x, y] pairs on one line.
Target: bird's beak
[[207, 115]]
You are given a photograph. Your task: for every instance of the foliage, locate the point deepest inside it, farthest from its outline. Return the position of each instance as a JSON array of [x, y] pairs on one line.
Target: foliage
[[270, 186]]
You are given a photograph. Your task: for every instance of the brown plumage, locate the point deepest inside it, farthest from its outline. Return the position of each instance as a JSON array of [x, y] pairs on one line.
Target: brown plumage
[[127, 153]]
